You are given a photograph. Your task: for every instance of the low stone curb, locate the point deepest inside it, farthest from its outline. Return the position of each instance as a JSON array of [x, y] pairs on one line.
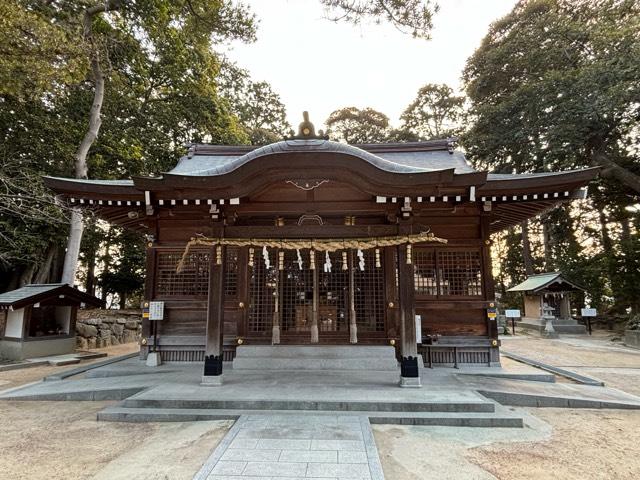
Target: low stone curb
[[558, 371], [18, 366], [543, 401], [85, 368]]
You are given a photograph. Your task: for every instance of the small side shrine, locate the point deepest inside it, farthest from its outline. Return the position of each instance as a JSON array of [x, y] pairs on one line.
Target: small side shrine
[[548, 296], [40, 320]]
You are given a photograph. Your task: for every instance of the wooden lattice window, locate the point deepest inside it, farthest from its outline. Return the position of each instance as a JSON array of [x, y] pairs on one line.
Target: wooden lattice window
[[231, 272], [296, 293], [333, 292], [262, 291], [424, 271], [447, 272], [460, 272], [369, 293], [192, 281]]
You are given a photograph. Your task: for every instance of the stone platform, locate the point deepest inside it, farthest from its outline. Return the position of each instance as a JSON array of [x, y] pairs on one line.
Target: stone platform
[[567, 326]]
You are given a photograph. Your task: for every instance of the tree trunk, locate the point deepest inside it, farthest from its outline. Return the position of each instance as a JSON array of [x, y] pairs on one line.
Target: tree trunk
[[526, 249], [547, 242], [44, 272], [90, 285], [27, 275], [75, 233], [607, 246], [123, 300]]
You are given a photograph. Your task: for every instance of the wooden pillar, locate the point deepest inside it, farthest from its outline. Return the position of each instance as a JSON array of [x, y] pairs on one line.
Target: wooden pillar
[[149, 292], [487, 276], [315, 337], [353, 325], [277, 316], [215, 319], [409, 371]]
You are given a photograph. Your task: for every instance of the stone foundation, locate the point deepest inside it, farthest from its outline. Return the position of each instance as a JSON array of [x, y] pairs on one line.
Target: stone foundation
[[103, 328]]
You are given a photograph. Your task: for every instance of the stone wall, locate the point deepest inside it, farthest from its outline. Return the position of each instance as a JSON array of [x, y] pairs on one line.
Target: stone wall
[[632, 338], [103, 328]]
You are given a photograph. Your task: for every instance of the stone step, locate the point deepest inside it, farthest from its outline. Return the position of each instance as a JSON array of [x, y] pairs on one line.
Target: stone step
[[124, 414], [318, 364], [485, 406], [315, 357], [315, 351]]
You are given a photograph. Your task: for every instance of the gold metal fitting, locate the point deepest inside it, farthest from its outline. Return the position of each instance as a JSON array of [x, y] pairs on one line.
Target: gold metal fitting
[[487, 242], [143, 341], [392, 342], [494, 343], [150, 244], [391, 304], [241, 304], [492, 304], [240, 341]]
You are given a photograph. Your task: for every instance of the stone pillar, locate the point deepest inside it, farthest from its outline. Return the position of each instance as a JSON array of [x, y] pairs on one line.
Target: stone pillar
[[215, 319], [409, 371]]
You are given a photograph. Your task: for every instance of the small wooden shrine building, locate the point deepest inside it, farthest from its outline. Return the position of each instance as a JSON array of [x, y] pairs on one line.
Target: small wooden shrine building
[[309, 241], [552, 291], [40, 320]]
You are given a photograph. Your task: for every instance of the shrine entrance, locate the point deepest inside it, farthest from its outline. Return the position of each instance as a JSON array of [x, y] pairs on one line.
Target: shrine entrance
[[316, 297]]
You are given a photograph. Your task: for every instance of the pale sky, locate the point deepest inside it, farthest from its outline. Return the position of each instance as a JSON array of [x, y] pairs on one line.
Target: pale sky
[[320, 66]]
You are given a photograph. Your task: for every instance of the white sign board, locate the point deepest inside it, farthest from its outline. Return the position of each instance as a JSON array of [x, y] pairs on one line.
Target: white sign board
[[589, 312], [156, 310], [512, 313], [419, 328]]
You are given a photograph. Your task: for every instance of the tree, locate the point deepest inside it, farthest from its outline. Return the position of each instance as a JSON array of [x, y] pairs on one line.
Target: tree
[[408, 16], [435, 113], [258, 108], [161, 26], [354, 125], [555, 84]]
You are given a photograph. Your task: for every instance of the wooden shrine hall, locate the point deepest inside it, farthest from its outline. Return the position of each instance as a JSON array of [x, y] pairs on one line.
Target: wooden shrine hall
[[308, 241]]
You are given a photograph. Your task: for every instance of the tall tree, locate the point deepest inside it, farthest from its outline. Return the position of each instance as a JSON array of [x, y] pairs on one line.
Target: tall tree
[[354, 125], [259, 109], [435, 113], [162, 27], [555, 84]]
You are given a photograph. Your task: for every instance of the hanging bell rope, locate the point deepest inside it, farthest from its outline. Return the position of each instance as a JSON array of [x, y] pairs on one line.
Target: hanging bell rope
[[321, 245]]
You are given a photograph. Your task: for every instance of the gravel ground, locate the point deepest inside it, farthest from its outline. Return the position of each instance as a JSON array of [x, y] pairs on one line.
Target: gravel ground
[[567, 444], [15, 378], [62, 440]]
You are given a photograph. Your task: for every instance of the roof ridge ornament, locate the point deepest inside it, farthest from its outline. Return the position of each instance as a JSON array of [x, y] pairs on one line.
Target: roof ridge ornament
[[307, 131]]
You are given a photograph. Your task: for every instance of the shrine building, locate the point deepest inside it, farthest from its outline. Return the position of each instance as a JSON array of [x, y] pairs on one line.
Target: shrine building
[[312, 242]]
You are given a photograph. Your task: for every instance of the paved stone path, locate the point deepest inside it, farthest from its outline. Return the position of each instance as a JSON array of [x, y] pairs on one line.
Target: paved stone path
[[320, 447]]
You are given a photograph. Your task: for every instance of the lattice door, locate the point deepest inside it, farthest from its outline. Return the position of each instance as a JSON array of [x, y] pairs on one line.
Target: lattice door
[[369, 293], [262, 291]]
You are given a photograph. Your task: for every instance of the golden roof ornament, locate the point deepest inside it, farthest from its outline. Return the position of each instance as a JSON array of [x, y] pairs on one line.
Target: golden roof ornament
[[306, 130]]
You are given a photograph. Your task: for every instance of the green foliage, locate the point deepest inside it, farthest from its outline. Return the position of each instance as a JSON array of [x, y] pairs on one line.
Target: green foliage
[[163, 90], [408, 16], [354, 125], [258, 108], [435, 113], [554, 86]]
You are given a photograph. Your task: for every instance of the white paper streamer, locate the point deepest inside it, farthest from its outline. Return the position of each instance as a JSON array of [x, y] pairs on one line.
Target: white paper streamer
[[265, 255], [327, 263], [361, 260], [299, 258]]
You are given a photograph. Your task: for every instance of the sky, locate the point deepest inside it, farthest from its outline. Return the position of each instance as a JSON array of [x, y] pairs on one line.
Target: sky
[[320, 66]]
